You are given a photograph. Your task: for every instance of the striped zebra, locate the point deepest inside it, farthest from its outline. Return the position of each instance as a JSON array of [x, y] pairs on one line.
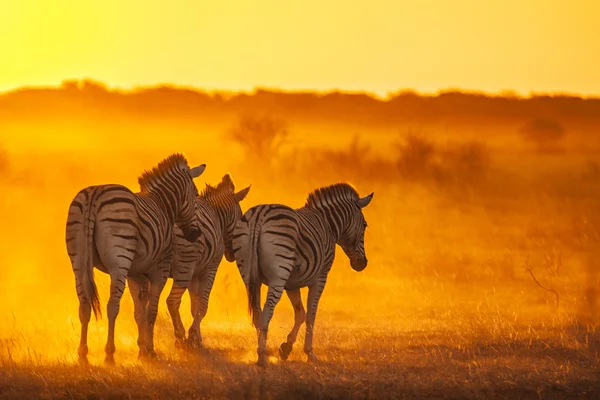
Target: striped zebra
[[288, 249], [130, 236], [218, 209]]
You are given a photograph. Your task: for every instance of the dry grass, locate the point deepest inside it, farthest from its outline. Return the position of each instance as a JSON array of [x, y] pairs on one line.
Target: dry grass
[[440, 347], [445, 309]]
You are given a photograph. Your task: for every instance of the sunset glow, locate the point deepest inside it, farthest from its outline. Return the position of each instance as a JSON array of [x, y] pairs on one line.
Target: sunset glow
[[377, 46], [475, 124]]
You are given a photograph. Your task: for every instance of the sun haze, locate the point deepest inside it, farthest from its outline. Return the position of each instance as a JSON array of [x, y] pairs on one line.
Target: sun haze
[[374, 45], [482, 236]]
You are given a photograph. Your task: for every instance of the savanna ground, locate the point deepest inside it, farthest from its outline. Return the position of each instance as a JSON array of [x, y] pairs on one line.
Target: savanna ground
[[446, 307]]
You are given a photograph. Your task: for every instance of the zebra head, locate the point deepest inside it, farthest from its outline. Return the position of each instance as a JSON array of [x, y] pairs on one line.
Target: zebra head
[[352, 239], [226, 201], [171, 183], [187, 219]]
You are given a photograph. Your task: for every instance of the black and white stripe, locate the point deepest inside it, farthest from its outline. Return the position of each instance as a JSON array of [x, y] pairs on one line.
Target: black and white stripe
[[287, 249], [130, 237], [195, 267]]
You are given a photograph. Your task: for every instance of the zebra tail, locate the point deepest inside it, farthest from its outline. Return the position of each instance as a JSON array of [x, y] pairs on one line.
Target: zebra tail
[[88, 268], [254, 278]]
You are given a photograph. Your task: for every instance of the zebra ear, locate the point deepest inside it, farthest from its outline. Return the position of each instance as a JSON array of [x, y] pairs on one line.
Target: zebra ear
[[197, 171], [239, 196], [363, 202]]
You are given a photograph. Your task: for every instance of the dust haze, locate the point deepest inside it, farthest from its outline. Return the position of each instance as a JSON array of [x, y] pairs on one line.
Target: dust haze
[[482, 241]]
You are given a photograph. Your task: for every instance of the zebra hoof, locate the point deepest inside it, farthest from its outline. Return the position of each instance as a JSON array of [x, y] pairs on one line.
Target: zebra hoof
[[263, 360], [82, 356], [194, 345], [284, 350], [109, 360], [82, 352], [181, 344], [312, 357], [148, 355]]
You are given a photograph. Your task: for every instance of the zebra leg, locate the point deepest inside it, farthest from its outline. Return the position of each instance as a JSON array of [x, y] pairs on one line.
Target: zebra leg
[[117, 286], [158, 279], [85, 313], [194, 302], [138, 287], [299, 317], [201, 296], [273, 297], [173, 304], [314, 294], [182, 269]]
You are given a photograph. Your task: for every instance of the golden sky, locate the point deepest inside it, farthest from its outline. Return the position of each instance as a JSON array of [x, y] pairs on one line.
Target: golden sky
[[373, 45]]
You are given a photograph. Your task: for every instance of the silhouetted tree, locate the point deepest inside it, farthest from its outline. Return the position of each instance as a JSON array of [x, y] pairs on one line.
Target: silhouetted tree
[[260, 137], [70, 85], [92, 86]]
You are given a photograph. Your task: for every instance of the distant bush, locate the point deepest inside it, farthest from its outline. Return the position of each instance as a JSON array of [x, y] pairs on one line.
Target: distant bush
[[352, 161], [260, 137], [464, 163], [4, 162], [356, 162], [416, 157], [545, 134], [88, 85]]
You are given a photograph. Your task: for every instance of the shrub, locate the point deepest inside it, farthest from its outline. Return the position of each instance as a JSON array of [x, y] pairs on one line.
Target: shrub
[[416, 157], [544, 134], [355, 163], [260, 137], [465, 163], [4, 162]]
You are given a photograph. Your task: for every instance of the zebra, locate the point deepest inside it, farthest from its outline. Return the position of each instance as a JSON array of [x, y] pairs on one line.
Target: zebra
[[288, 249], [130, 236], [196, 264]]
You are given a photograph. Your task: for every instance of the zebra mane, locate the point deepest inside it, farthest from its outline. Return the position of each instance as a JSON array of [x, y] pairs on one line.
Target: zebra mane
[[224, 189], [148, 179], [335, 194]]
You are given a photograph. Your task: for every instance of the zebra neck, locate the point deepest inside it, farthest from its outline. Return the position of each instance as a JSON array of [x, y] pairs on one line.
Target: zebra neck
[[221, 209], [166, 202], [332, 218], [222, 218]]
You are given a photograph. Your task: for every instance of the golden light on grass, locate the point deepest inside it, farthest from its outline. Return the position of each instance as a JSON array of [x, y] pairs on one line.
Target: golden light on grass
[[445, 305]]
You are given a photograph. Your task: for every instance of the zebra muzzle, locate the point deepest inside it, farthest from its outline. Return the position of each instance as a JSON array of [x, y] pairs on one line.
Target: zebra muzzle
[[359, 263]]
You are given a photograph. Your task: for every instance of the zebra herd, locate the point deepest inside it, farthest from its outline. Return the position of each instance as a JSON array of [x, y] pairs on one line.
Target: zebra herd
[[168, 229]]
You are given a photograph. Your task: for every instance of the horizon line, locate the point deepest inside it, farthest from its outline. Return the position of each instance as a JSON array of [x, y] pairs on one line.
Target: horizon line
[[504, 93]]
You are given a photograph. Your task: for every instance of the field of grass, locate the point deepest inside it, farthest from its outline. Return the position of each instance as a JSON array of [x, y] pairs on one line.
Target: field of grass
[[445, 309], [408, 339]]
